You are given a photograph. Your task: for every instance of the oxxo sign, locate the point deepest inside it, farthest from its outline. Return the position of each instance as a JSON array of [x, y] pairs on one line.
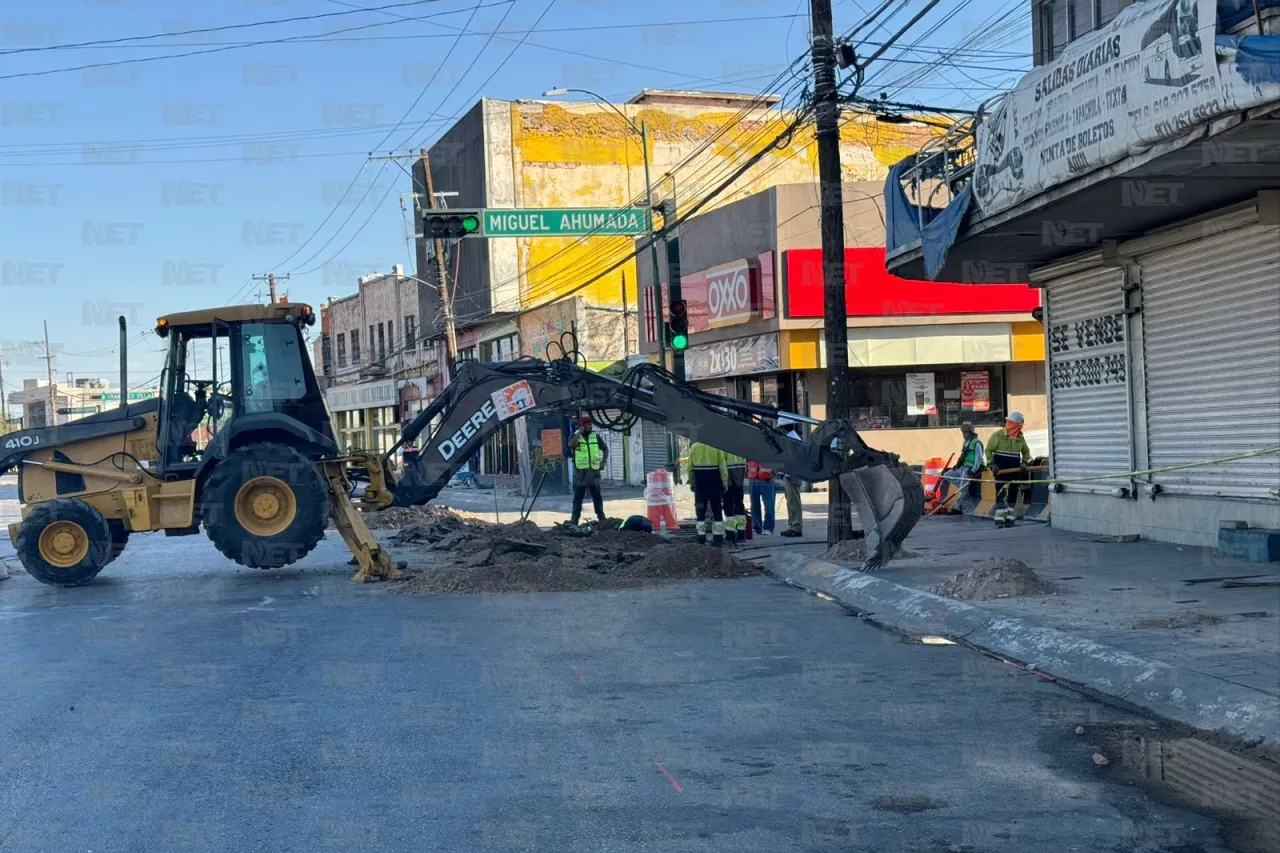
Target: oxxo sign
[[732, 295]]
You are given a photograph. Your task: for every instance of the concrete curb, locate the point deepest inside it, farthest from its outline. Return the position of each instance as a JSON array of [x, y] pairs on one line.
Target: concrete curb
[[1185, 696]]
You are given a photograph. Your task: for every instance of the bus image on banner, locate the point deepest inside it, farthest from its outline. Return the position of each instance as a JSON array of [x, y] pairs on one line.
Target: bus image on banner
[[1172, 53]]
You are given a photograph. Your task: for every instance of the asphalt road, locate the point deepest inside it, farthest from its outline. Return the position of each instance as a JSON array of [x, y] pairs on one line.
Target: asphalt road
[[181, 705]]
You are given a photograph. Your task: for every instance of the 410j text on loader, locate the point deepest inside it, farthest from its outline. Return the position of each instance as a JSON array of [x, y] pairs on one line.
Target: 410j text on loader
[[240, 442]]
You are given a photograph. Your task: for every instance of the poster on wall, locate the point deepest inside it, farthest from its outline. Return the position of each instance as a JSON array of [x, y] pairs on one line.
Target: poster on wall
[[1150, 75], [975, 391], [920, 394]]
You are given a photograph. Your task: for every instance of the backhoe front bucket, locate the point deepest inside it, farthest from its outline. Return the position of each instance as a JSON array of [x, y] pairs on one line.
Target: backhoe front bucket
[[889, 500]]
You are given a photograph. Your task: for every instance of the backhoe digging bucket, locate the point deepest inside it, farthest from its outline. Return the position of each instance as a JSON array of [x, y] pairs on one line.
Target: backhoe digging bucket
[[889, 500]]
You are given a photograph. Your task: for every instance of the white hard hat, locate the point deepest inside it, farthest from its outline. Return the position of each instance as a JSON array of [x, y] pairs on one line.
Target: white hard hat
[[1016, 417]]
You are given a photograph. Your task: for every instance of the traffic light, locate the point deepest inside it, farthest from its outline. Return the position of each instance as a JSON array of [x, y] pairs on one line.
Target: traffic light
[[678, 325], [452, 223]]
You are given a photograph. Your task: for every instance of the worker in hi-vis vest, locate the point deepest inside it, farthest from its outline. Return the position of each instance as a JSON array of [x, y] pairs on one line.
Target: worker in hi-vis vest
[[707, 472], [735, 510], [589, 455]]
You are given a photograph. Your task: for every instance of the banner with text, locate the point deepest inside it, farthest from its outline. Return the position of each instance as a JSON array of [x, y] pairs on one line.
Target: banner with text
[[743, 357], [1146, 77]]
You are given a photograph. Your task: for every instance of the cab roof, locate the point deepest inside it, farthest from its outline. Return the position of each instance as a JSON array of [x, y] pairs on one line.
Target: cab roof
[[277, 311]]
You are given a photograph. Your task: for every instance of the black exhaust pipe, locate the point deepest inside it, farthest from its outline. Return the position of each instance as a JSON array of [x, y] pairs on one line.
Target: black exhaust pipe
[[124, 366]]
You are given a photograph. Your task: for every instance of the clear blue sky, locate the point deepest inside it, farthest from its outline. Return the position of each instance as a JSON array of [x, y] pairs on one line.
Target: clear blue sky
[[168, 201]]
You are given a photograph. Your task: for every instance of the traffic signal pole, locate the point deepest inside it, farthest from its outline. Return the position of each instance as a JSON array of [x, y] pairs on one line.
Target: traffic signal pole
[[450, 333], [671, 237]]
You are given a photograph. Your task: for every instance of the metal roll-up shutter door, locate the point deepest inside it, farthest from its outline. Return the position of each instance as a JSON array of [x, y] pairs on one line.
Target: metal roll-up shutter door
[[614, 470], [1211, 346], [1088, 376], [654, 438]]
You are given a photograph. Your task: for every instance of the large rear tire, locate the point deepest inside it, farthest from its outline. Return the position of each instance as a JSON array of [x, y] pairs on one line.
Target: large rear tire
[[119, 538], [265, 506], [64, 542]]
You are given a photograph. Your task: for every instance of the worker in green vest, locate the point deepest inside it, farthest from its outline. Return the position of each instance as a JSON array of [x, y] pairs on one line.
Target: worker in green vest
[[735, 510], [589, 455], [1008, 456], [708, 473]]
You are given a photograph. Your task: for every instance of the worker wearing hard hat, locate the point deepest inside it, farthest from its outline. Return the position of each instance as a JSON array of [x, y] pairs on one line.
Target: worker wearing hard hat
[[707, 471], [790, 485], [589, 455], [1007, 457]]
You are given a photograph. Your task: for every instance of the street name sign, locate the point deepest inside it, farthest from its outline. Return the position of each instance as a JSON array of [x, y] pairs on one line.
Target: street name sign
[[565, 222]]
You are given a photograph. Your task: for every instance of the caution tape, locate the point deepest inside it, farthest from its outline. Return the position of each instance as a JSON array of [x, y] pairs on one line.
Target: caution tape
[[1207, 463]]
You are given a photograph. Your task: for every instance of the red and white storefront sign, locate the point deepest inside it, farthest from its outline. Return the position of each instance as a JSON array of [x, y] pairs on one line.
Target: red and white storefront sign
[[727, 295]]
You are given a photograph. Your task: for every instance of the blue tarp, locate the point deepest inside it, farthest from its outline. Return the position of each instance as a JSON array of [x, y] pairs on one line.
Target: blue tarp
[[1232, 12], [1257, 57], [903, 218]]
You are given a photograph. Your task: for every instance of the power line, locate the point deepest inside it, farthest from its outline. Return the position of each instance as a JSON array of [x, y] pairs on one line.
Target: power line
[[224, 48], [443, 100], [388, 135], [222, 28]]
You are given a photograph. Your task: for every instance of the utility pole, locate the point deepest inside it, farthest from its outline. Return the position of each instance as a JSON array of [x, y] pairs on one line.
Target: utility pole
[[626, 318], [53, 389], [839, 381], [270, 279], [446, 300]]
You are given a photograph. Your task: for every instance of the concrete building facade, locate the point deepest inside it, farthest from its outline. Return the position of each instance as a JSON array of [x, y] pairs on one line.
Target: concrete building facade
[[380, 367]]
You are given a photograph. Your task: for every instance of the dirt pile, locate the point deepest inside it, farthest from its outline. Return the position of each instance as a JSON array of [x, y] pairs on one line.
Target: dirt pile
[[1189, 619], [456, 556], [1003, 577], [409, 516], [855, 551]]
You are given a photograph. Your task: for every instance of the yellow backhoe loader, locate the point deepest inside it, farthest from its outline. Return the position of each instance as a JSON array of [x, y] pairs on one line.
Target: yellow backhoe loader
[[240, 443]]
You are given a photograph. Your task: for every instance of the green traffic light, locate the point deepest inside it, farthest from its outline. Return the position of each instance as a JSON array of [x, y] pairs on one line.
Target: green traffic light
[[679, 342], [470, 223]]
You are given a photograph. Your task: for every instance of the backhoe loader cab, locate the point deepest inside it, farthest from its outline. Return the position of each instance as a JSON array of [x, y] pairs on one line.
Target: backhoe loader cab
[[231, 445]]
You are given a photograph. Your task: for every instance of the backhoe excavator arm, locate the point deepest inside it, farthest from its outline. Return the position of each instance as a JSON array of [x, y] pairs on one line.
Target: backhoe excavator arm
[[886, 494]]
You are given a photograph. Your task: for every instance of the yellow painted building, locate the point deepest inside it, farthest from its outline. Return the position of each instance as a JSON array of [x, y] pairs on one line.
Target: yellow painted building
[[549, 154]]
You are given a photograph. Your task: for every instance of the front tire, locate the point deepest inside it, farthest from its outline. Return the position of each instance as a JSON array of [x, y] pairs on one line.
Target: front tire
[[265, 506], [64, 542]]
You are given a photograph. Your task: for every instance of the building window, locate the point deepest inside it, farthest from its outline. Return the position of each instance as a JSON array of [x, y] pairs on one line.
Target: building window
[[342, 349], [410, 333], [355, 347], [382, 344], [501, 349], [1082, 21], [468, 354], [970, 394], [391, 335], [1108, 9], [373, 345]]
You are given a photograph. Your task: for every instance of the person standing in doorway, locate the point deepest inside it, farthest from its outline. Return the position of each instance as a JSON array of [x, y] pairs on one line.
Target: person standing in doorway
[[735, 509], [764, 494], [791, 486], [589, 456], [708, 473]]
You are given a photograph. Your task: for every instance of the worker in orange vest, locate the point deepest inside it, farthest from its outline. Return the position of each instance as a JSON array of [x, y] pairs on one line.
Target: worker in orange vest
[[763, 491]]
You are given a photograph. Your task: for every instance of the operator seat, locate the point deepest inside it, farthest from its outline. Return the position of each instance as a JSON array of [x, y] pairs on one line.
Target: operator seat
[[187, 414]]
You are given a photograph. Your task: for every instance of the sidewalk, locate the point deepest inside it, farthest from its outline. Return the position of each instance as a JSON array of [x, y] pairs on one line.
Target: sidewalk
[[1215, 666]]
